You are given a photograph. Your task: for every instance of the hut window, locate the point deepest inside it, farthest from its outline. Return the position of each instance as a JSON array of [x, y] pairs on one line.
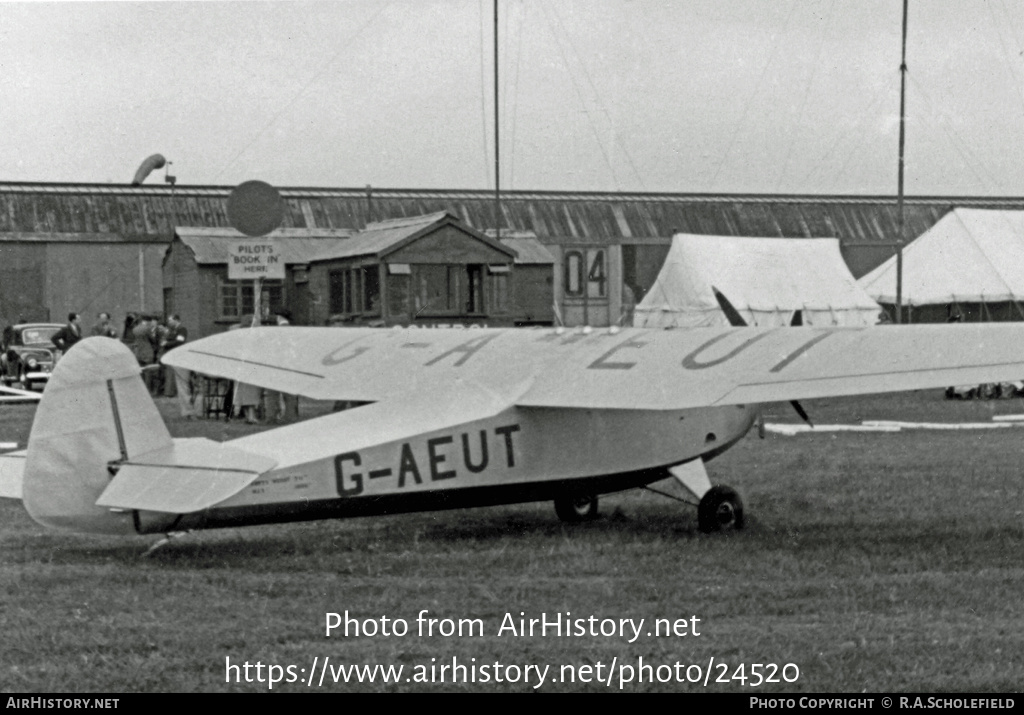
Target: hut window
[[435, 289], [371, 289], [397, 289], [475, 284], [228, 294], [336, 287], [355, 290], [235, 299], [447, 289], [498, 294]]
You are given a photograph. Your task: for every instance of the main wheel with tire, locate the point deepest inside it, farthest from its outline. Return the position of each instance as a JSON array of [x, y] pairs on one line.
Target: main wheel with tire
[[576, 508], [721, 509]]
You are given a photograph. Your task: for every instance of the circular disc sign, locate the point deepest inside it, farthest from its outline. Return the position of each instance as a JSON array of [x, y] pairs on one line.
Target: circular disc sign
[[255, 208]]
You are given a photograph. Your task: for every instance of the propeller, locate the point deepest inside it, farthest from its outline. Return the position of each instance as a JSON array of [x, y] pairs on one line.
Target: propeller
[[736, 320]]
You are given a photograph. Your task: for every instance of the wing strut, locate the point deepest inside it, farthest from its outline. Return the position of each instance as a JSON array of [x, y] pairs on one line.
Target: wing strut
[[693, 478]]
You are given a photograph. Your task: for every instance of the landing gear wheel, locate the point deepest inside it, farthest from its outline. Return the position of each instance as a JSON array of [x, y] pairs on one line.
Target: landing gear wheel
[[721, 509], [577, 508]]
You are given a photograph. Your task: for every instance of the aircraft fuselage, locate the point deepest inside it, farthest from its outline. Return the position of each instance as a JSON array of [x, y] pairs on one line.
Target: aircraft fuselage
[[519, 455]]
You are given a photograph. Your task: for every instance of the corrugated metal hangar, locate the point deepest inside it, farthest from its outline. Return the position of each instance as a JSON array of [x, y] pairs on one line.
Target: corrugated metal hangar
[[102, 247]]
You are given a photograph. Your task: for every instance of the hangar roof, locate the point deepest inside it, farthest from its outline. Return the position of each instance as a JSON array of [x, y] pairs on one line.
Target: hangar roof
[[149, 213]]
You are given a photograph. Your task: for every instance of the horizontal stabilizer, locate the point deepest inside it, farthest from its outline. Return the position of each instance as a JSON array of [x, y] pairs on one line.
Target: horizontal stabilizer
[[12, 469], [191, 475]]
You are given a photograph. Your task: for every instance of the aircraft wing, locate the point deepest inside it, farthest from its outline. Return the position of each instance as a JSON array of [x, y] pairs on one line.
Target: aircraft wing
[[873, 360], [681, 369], [358, 364], [281, 359], [609, 368]]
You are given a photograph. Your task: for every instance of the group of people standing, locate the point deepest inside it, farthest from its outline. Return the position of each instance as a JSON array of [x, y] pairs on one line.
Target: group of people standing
[[71, 333], [150, 339]]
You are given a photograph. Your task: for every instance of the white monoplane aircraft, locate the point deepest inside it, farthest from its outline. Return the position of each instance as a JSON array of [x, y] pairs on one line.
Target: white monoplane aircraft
[[455, 418]]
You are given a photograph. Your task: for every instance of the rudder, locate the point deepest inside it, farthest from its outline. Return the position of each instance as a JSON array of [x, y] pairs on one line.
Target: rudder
[[95, 411]]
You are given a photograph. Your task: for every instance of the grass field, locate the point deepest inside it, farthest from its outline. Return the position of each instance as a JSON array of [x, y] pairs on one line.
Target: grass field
[[872, 562]]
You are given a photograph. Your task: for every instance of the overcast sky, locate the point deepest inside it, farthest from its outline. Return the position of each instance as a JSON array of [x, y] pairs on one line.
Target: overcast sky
[[772, 96]]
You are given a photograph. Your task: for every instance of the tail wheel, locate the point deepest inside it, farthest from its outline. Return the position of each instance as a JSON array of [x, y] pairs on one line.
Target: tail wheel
[[721, 509], [576, 508]]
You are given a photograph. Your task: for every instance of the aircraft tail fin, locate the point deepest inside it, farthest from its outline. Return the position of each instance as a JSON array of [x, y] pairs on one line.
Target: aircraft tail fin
[[95, 413]]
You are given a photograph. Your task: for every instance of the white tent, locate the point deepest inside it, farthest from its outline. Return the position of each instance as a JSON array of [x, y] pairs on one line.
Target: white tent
[[969, 256], [766, 279]]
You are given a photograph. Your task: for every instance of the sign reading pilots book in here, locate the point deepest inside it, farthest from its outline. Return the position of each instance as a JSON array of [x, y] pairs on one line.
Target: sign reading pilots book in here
[[254, 258]]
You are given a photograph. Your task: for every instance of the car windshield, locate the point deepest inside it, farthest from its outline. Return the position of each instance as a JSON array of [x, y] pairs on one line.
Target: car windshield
[[35, 336]]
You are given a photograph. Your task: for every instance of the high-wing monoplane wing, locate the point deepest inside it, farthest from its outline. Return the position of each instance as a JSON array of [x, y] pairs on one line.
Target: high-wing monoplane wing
[[676, 369], [890, 359], [358, 364], [610, 368]]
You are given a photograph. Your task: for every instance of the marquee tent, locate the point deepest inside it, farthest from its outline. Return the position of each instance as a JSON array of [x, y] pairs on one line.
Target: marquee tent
[[767, 280], [970, 263]]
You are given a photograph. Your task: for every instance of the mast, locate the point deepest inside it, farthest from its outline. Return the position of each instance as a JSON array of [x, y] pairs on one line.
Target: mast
[[497, 145], [899, 200]]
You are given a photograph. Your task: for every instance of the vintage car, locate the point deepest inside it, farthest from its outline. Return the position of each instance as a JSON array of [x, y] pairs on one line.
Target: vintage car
[[28, 353]]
